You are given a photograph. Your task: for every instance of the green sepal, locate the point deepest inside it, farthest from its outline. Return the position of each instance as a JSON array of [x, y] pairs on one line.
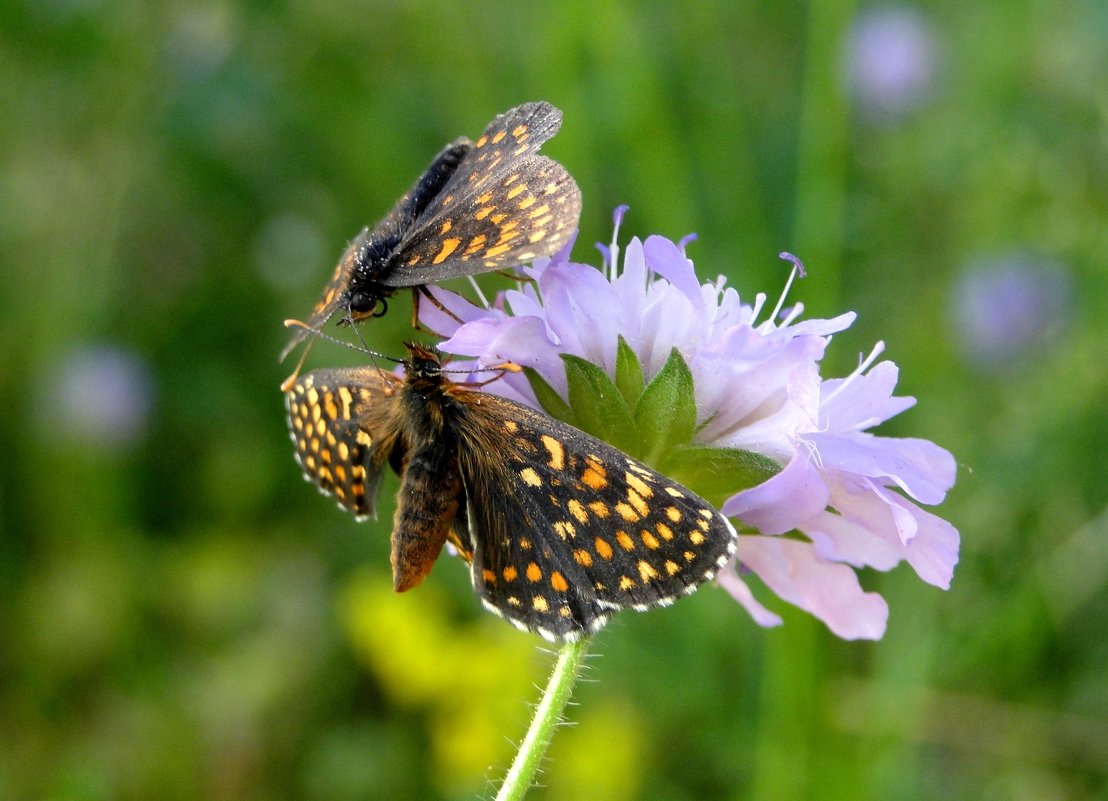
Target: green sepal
[[550, 401], [666, 411], [629, 378], [597, 404], [659, 429], [715, 474]]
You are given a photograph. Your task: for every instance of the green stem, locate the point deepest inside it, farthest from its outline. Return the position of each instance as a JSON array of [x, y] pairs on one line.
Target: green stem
[[547, 716]]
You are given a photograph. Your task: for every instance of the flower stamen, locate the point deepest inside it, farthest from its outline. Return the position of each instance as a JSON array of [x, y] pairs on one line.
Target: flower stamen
[[613, 251], [798, 269], [480, 295], [863, 365]]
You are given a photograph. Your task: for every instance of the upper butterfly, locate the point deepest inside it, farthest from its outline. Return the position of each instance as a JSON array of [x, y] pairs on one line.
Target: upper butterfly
[[480, 206], [560, 529]]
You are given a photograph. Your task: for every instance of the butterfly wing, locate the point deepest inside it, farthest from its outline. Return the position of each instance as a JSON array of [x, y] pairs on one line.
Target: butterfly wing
[[564, 528], [343, 423], [504, 205]]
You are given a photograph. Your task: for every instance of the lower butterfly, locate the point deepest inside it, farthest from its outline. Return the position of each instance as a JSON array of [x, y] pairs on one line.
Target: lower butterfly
[[559, 528]]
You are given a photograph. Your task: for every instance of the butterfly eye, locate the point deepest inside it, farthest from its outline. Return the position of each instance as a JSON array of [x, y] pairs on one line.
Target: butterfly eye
[[362, 304]]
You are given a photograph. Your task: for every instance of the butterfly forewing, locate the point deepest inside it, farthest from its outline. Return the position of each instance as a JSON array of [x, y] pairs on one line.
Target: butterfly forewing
[[567, 528], [342, 424], [515, 217]]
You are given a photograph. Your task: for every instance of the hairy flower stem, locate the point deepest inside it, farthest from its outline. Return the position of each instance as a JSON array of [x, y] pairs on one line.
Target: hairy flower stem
[[547, 716]]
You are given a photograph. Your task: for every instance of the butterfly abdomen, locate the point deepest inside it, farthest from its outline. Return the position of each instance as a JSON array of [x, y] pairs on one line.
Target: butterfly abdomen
[[427, 505]]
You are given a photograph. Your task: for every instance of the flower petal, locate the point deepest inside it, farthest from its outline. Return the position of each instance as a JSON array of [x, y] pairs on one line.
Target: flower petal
[[862, 401], [433, 317], [879, 528], [669, 261], [919, 467], [522, 340], [785, 501], [729, 579], [828, 590]]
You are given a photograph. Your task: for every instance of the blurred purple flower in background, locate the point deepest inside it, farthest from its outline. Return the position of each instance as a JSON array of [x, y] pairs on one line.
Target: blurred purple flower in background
[[1007, 307], [844, 498], [891, 60], [98, 395]]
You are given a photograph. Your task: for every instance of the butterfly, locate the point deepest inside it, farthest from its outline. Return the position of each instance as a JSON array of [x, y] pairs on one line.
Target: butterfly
[[560, 529], [480, 206]]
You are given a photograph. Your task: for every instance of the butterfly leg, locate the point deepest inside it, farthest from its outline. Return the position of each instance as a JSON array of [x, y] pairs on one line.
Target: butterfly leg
[[515, 275], [500, 370], [418, 291]]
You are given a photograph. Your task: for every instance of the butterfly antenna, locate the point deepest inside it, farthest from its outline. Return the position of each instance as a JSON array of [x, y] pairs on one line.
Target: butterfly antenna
[[358, 334], [307, 330], [302, 332], [287, 384]]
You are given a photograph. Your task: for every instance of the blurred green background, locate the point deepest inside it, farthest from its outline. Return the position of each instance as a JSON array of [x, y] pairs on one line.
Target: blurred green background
[[182, 617]]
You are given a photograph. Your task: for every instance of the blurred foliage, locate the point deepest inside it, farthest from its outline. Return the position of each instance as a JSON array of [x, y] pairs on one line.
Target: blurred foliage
[[181, 617]]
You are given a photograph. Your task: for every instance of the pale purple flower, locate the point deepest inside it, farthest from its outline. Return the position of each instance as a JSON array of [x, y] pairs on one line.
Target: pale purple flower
[[845, 498], [1007, 307], [99, 395], [891, 60]]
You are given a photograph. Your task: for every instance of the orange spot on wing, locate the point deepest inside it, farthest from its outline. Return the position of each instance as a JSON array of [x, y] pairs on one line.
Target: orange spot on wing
[[578, 511], [497, 250], [448, 247]]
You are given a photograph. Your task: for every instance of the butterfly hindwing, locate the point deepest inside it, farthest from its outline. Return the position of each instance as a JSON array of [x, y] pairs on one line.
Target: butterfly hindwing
[[565, 528], [342, 424]]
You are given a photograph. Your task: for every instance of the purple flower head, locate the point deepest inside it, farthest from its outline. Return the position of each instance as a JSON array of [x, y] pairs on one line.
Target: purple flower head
[[1006, 308], [98, 395], [839, 498], [891, 60]]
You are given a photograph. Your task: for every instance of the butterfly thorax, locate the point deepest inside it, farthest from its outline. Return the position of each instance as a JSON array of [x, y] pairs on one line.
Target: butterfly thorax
[[429, 411]]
